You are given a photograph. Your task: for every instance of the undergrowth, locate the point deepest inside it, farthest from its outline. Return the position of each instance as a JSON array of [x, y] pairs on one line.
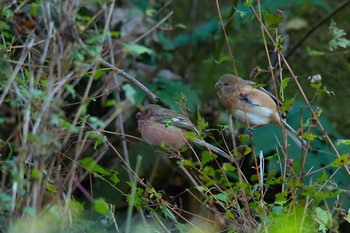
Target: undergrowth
[[73, 76]]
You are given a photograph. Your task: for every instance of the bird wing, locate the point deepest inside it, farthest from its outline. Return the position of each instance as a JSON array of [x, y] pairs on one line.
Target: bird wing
[[251, 83], [183, 123], [170, 117], [271, 95]]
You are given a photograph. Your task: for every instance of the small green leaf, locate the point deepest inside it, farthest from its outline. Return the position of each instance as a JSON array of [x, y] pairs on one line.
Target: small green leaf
[[110, 103], [207, 157], [316, 85], [323, 177], [101, 206], [222, 197], [227, 167], [91, 165], [222, 59], [114, 177], [201, 188], [130, 92], [338, 38], [342, 161], [322, 218], [248, 3], [152, 191], [209, 171], [36, 174], [245, 150], [281, 198], [201, 123], [287, 104], [285, 83], [273, 20], [187, 163], [258, 85], [137, 49], [95, 122], [191, 135], [181, 25], [343, 141], [309, 136], [51, 188], [243, 137], [314, 53], [70, 89]]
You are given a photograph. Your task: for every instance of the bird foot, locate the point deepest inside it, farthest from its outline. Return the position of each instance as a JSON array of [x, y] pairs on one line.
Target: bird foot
[[250, 131]]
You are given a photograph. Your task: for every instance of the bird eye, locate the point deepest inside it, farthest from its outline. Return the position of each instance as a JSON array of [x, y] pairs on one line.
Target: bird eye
[[225, 84]]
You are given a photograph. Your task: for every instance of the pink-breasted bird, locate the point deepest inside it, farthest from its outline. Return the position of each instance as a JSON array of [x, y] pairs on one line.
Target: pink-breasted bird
[[159, 125]]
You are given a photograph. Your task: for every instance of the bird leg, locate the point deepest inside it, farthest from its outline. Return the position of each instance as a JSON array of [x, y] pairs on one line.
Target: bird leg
[[250, 130]]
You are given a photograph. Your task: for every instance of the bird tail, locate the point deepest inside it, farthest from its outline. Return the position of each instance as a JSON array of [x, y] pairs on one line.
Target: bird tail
[[213, 149], [301, 142]]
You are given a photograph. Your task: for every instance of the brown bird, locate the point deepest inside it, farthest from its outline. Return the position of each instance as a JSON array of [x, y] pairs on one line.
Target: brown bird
[[159, 125], [254, 104]]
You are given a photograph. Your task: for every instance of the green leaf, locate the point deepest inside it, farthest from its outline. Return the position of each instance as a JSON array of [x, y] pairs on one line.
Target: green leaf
[[257, 85], [309, 136], [110, 103], [201, 123], [95, 122], [51, 188], [129, 92], [181, 25], [287, 104], [323, 177], [114, 177], [338, 38], [342, 161], [227, 167], [209, 171], [316, 85], [222, 197], [152, 191], [281, 198], [137, 49], [200, 188], [285, 83], [343, 141], [273, 20], [314, 53], [207, 157], [101, 206], [230, 215], [91, 166], [190, 135], [187, 163], [322, 218], [222, 59], [70, 89], [248, 3], [243, 137], [36, 174]]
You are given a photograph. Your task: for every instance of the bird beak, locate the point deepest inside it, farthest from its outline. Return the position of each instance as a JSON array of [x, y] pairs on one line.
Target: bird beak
[[138, 115], [217, 85]]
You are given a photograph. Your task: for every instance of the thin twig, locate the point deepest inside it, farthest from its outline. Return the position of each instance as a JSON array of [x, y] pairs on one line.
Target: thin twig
[[132, 80]]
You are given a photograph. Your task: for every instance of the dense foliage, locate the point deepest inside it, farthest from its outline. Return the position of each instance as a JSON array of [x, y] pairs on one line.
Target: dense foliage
[[73, 74]]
